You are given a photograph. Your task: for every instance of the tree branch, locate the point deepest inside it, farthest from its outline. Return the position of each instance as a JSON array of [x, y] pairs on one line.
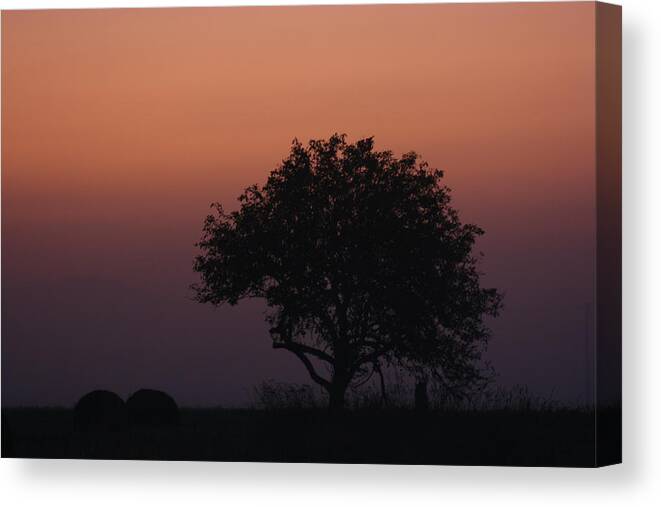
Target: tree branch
[[296, 349], [370, 358], [305, 349]]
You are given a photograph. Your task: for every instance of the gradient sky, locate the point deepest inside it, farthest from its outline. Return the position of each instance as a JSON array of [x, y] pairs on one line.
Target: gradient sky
[[119, 127]]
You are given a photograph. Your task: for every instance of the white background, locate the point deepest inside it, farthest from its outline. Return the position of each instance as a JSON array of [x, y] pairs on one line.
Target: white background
[[636, 482]]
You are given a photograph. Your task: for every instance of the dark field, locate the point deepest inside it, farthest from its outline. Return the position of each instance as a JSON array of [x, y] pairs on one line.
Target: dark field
[[497, 437]]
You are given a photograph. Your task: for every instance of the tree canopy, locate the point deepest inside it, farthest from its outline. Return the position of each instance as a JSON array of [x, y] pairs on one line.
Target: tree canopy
[[362, 261]]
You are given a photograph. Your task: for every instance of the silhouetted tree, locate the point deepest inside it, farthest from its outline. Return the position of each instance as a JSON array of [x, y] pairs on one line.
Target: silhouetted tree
[[361, 259]]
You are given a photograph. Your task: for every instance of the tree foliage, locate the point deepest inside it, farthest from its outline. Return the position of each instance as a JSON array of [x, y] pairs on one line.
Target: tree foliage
[[362, 261]]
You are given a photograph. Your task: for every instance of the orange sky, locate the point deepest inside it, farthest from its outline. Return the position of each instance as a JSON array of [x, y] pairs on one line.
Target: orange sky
[[119, 127]]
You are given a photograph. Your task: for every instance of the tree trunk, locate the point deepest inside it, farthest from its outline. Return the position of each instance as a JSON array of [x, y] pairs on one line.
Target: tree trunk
[[340, 379], [336, 394], [421, 398]]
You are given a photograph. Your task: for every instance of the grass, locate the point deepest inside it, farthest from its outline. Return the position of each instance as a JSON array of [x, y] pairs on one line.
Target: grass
[[520, 435]]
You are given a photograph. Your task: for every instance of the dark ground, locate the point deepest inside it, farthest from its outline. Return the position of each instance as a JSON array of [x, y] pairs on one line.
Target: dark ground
[[496, 437]]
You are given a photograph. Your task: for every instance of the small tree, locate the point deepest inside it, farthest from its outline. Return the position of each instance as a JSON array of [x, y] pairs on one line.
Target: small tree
[[360, 258]]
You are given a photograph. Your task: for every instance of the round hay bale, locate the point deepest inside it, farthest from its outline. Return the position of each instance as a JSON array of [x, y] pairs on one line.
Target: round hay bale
[[100, 411], [148, 407]]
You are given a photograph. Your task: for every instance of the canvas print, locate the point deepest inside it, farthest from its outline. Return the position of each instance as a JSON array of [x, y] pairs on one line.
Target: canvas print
[[339, 234]]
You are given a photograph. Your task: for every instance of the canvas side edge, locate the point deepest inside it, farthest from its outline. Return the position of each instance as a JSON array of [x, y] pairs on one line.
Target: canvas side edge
[[608, 350]]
